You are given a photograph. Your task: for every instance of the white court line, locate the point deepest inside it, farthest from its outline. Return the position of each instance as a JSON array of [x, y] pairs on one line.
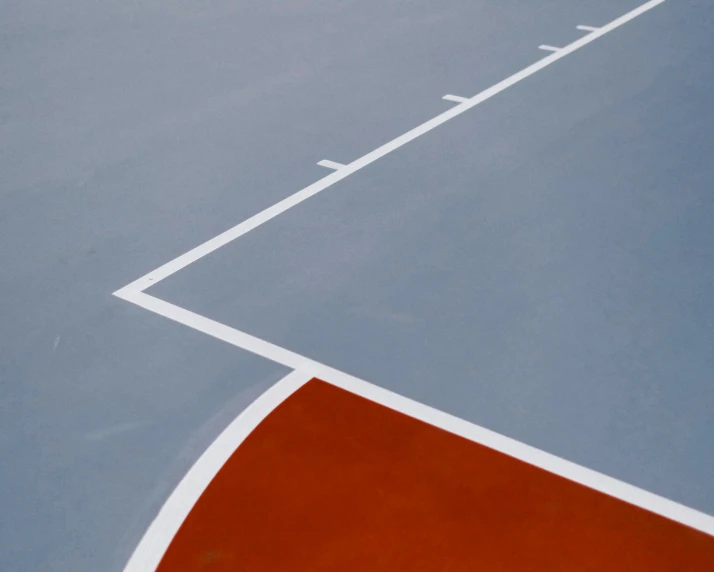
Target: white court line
[[264, 216], [587, 28], [330, 164], [219, 331], [160, 533], [549, 48], [592, 479], [456, 98]]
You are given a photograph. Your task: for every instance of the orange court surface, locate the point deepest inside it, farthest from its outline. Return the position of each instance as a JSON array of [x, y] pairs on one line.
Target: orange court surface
[[333, 481]]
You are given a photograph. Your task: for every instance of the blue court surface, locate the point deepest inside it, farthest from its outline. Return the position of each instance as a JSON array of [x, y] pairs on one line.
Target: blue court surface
[[533, 254]]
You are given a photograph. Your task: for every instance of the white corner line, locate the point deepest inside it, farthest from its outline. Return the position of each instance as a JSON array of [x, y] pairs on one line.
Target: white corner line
[[587, 28], [269, 213], [173, 513], [548, 48], [456, 98], [330, 164]]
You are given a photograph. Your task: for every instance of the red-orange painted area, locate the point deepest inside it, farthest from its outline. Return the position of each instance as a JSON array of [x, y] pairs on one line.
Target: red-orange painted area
[[331, 481]]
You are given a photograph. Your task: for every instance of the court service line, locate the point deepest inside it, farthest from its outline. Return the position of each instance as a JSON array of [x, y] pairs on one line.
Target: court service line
[[264, 216], [175, 510]]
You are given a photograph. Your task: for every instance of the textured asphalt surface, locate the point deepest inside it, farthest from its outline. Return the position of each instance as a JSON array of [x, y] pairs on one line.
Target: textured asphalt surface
[[542, 265]]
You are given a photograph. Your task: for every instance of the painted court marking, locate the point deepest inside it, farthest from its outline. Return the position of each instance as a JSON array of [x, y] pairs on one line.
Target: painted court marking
[[163, 529], [456, 98], [153, 545], [330, 164], [549, 48]]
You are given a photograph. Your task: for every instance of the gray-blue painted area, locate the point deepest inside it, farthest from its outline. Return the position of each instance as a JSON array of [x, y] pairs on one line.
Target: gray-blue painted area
[[542, 265], [537, 265]]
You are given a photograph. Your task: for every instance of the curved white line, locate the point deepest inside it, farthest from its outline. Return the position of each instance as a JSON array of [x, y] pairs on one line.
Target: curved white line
[[156, 540], [162, 530]]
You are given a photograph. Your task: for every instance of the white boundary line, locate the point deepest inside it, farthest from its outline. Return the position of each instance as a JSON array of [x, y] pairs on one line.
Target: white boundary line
[[162, 530], [224, 333], [264, 216], [571, 471]]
